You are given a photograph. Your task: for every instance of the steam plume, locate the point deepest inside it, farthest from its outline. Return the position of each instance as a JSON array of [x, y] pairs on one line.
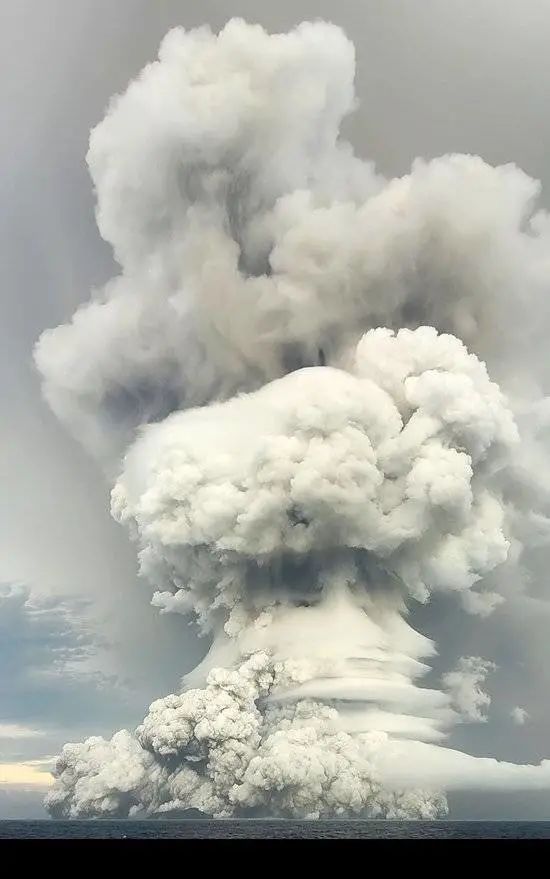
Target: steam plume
[[288, 385]]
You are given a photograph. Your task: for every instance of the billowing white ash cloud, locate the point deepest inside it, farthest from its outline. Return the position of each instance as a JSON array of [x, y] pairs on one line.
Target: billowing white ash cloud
[[289, 386]]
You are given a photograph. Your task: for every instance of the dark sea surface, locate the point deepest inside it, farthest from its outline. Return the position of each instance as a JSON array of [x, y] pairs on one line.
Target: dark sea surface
[[263, 829]]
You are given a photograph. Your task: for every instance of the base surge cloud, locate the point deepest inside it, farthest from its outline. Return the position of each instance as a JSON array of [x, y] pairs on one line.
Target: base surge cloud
[[292, 386]]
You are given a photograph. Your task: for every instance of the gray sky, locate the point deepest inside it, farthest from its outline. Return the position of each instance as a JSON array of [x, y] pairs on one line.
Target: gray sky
[[432, 77]]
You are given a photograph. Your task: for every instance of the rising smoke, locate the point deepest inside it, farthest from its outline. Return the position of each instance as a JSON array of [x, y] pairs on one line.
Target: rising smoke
[[287, 384]]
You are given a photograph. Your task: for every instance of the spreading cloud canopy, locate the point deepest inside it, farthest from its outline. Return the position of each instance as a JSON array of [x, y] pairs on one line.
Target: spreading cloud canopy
[[289, 385]]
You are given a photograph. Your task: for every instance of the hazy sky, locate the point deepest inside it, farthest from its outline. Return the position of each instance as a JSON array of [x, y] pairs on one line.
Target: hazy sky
[[433, 76]]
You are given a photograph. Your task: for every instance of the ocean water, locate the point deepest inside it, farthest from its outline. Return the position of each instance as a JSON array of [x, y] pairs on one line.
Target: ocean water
[[265, 829]]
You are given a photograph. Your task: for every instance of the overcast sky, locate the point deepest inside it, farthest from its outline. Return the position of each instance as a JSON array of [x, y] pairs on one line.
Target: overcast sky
[[81, 648]]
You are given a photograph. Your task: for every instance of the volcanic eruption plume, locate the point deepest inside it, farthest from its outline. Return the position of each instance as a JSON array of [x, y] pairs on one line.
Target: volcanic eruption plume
[[288, 386]]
